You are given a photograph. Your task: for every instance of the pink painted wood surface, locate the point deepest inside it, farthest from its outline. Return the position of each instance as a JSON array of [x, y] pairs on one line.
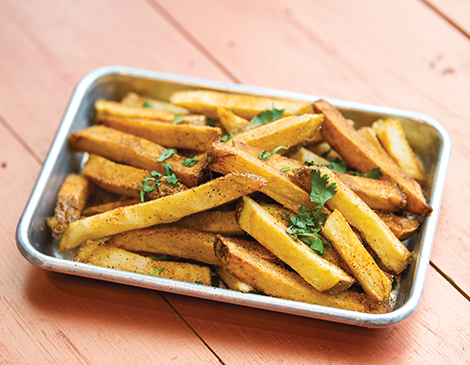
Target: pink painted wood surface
[[456, 12], [400, 55]]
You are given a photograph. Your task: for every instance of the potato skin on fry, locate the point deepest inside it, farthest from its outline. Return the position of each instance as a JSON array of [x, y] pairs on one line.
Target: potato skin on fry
[[359, 153], [281, 283]]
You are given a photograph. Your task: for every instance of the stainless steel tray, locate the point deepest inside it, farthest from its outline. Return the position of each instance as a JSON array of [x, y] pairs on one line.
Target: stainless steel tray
[[428, 138]]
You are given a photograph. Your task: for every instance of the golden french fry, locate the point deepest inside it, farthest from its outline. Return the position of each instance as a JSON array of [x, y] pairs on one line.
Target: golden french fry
[[164, 210], [232, 282], [401, 227], [213, 221], [111, 257], [101, 208], [135, 100], [230, 121], [71, 200], [302, 154], [268, 231], [246, 106]]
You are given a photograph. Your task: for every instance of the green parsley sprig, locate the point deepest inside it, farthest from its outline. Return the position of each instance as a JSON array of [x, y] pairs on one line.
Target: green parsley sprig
[[166, 154], [145, 188], [226, 137], [267, 116], [156, 272], [146, 104], [171, 177], [375, 174], [265, 155], [178, 118], [188, 162]]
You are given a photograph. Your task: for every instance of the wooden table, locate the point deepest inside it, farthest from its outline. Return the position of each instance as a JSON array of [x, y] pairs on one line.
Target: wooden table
[[405, 54]]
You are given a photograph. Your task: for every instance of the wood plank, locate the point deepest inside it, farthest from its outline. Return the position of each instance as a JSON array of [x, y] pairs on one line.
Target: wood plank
[[436, 333], [47, 47], [456, 11], [366, 51], [55, 318]]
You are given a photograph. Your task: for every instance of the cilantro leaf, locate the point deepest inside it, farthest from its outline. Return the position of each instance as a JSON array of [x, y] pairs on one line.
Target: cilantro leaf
[[156, 272], [320, 191], [284, 169], [375, 174], [161, 258], [337, 164], [198, 282], [267, 116], [326, 153], [265, 155], [226, 137], [156, 174], [145, 188], [188, 162], [310, 163], [178, 118], [166, 154], [210, 122], [171, 177], [147, 105]]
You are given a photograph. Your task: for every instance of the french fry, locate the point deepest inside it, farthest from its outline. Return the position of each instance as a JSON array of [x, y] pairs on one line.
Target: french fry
[[124, 180], [324, 150], [246, 106], [319, 273], [230, 121], [135, 151], [186, 136], [213, 221], [164, 210], [98, 209], [288, 131], [71, 200], [393, 139], [232, 282], [374, 282], [111, 257], [227, 159], [401, 227], [169, 240], [369, 134], [359, 153], [135, 100], [302, 154], [106, 108], [377, 194], [281, 283], [390, 250]]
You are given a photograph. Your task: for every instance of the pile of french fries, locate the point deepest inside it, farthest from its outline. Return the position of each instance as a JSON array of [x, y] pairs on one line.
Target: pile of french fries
[[215, 188]]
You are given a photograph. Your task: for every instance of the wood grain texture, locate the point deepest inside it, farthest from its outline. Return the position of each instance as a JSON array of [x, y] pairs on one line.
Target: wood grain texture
[[371, 52], [49, 318], [47, 47]]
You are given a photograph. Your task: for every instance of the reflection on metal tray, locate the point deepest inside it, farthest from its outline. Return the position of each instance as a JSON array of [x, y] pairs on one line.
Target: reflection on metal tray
[[427, 137]]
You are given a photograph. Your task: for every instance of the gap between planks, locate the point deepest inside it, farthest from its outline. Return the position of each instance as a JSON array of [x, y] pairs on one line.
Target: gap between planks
[[450, 281], [447, 19]]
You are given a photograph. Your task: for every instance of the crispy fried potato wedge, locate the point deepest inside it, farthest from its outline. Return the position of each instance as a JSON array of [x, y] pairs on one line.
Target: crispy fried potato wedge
[[213, 221], [124, 180], [169, 240], [186, 136], [111, 257], [390, 250], [369, 134], [271, 233], [71, 200], [401, 227], [230, 121], [164, 210], [302, 154], [288, 131], [135, 100], [106, 108], [393, 139], [246, 106], [359, 153], [135, 151], [232, 282], [281, 283], [98, 209], [324, 150], [373, 280], [227, 159], [377, 194]]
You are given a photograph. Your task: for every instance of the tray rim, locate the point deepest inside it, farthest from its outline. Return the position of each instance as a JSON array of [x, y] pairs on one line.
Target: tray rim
[[224, 295]]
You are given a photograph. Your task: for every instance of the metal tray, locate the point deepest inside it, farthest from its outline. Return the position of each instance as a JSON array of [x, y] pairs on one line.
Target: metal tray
[[428, 138]]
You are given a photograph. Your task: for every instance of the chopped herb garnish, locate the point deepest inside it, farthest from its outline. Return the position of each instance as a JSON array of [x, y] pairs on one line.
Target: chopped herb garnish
[[307, 225], [178, 118], [156, 272], [375, 174], [171, 177], [199, 282], [231, 111], [284, 169], [394, 283], [250, 247], [226, 137], [326, 153], [338, 164], [267, 116], [188, 162], [265, 155], [161, 258], [166, 154], [145, 188], [210, 122], [147, 104], [310, 163]]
